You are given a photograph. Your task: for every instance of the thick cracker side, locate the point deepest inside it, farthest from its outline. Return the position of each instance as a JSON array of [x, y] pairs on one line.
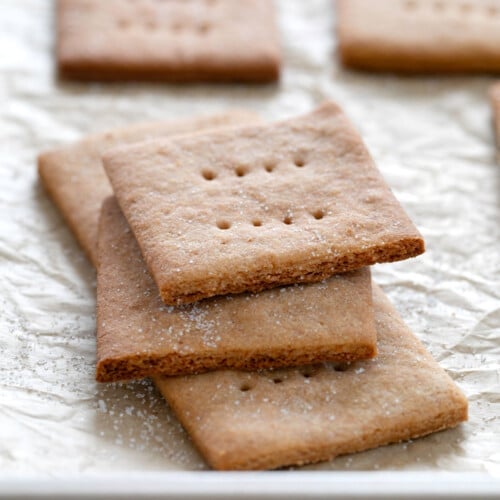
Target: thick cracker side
[[247, 210], [76, 182], [186, 41], [297, 416], [138, 336], [420, 36]]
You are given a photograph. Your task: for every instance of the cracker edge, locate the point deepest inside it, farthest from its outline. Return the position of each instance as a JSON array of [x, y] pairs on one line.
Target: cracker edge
[[127, 367]]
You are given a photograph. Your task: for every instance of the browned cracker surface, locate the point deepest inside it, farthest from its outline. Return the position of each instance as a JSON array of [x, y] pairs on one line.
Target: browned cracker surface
[[258, 207], [495, 102], [266, 420], [75, 180], [170, 40], [414, 36], [138, 336]]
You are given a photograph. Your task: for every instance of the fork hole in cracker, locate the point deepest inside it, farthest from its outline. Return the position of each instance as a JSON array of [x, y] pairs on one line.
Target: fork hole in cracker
[[208, 175], [223, 224], [245, 387], [318, 214], [269, 166], [299, 162], [241, 171], [340, 367], [204, 28], [410, 4], [256, 223], [124, 24], [277, 380], [288, 220], [466, 8], [308, 372]]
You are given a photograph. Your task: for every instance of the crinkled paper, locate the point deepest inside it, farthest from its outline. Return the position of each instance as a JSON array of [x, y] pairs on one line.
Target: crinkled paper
[[431, 137]]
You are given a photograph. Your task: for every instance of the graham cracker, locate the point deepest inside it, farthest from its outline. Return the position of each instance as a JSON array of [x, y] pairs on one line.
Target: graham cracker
[[138, 336], [296, 416], [495, 102], [168, 40], [258, 207], [75, 180], [420, 36]]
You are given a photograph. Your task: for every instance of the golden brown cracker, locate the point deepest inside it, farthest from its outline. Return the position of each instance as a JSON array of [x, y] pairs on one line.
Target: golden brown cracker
[[168, 40], [296, 416], [138, 336], [420, 36], [259, 207], [75, 180]]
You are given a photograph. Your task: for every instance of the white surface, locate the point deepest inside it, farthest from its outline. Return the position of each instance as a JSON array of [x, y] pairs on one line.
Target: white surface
[[431, 138], [273, 485]]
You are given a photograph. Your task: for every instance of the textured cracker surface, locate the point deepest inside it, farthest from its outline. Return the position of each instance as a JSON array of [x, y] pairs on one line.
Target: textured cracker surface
[[75, 180], [258, 207], [182, 41], [138, 336], [271, 419], [420, 35]]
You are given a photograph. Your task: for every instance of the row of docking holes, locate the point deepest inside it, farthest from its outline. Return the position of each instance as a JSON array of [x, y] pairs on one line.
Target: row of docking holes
[[150, 25], [288, 220], [306, 373], [461, 7], [208, 3], [242, 170]]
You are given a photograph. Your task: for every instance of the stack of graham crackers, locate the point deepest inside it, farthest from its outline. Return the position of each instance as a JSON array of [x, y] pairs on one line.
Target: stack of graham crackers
[[232, 268]]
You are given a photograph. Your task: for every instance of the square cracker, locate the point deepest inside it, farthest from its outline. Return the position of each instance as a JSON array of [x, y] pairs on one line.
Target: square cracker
[[169, 40], [75, 180], [271, 419], [138, 336], [258, 207], [418, 36], [495, 102]]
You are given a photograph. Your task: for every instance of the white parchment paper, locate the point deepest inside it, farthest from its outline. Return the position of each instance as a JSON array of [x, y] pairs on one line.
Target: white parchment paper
[[432, 139]]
